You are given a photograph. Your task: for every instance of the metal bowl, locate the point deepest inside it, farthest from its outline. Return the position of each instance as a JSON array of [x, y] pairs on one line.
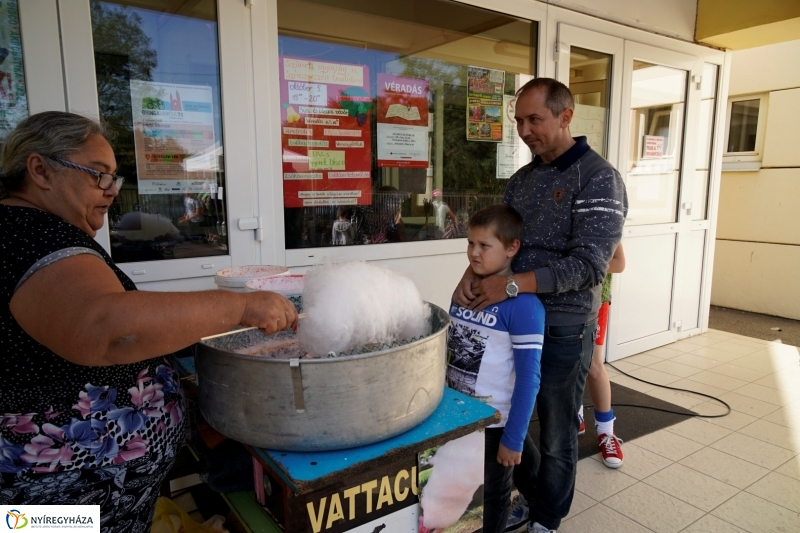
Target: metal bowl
[[320, 404]]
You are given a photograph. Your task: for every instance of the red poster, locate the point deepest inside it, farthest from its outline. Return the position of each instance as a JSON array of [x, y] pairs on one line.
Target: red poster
[[325, 135], [402, 122]]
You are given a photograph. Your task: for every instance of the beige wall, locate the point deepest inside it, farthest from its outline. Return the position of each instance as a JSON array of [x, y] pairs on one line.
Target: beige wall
[[739, 24], [675, 18], [757, 258], [767, 68], [757, 277]]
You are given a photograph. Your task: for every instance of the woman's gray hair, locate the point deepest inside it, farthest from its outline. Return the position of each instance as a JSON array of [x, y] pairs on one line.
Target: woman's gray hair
[[51, 133]]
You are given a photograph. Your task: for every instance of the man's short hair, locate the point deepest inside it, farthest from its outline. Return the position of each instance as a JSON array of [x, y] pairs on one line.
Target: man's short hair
[[506, 222], [557, 96]]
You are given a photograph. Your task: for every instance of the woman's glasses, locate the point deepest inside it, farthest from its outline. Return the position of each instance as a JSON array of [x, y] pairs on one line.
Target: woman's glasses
[[104, 179]]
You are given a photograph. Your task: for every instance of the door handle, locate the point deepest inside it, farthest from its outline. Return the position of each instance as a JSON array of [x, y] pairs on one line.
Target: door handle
[[252, 223]]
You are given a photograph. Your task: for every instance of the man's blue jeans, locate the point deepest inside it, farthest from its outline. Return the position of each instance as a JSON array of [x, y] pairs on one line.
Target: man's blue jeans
[[546, 477]]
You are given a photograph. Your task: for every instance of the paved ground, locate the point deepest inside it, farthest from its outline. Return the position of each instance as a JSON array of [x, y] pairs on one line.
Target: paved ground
[[755, 325]]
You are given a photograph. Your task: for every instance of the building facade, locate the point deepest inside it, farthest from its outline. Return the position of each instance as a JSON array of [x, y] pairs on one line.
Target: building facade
[[286, 131], [758, 236]]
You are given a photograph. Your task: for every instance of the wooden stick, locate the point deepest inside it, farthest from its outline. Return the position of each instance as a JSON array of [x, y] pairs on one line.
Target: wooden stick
[[242, 330]]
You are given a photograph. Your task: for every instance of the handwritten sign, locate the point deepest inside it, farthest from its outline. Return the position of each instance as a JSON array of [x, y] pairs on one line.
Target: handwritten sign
[[653, 146], [321, 72], [325, 105], [307, 93]]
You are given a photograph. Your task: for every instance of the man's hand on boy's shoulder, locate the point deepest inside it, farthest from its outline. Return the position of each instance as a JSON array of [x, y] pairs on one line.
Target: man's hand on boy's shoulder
[[508, 457], [489, 290], [492, 289]]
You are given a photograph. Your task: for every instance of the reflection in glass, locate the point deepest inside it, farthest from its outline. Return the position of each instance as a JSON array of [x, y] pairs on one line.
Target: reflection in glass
[[159, 94], [590, 83], [654, 163], [705, 125], [744, 125], [13, 95], [455, 152]]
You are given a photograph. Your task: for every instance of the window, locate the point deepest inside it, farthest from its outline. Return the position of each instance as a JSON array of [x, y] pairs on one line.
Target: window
[[13, 96], [590, 83], [744, 137], [159, 94], [396, 118], [658, 96]]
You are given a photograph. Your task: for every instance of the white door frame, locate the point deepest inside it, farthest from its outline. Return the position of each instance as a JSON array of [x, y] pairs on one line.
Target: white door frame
[[691, 65], [80, 92], [569, 36]]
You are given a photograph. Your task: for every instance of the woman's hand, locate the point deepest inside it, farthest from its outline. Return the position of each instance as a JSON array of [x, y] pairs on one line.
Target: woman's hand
[[269, 312], [508, 457]]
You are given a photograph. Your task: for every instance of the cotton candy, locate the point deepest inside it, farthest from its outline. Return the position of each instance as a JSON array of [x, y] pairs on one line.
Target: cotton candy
[[354, 304], [457, 474]]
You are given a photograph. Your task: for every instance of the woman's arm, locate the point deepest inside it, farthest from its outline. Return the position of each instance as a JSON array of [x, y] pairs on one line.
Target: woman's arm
[[78, 308], [617, 263]]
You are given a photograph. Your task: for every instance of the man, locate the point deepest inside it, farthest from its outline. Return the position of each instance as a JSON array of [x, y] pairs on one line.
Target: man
[[574, 205]]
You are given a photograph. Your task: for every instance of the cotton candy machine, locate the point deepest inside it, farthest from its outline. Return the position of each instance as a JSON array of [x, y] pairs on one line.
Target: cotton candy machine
[[265, 391]]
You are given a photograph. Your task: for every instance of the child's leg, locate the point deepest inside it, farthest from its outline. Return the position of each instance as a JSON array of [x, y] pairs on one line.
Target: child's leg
[[599, 384], [496, 486]]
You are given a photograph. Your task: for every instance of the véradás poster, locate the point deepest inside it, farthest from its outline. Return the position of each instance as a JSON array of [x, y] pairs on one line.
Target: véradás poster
[[402, 122]]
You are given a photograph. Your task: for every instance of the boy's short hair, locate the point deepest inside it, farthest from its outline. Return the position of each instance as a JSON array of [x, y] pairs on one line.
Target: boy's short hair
[[506, 222]]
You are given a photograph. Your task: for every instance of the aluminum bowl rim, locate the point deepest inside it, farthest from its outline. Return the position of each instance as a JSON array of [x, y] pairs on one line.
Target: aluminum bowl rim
[[350, 357]]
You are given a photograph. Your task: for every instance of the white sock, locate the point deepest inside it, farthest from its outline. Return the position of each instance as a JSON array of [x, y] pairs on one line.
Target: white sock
[[605, 428], [580, 412]]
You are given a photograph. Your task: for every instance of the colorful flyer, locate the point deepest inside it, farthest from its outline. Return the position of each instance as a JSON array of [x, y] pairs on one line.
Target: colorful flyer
[[325, 133], [485, 104], [173, 134], [402, 122], [13, 98]]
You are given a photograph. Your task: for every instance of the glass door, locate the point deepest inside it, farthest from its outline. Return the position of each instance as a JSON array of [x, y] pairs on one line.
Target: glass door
[[177, 125], [590, 64], [658, 154]]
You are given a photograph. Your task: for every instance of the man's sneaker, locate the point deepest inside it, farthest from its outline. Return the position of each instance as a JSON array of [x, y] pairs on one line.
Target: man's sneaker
[[582, 428], [518, 515], [536, 527], [610, 450]]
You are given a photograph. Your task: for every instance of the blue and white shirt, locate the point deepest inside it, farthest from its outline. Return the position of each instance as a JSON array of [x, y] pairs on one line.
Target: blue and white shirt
[[495, 355]]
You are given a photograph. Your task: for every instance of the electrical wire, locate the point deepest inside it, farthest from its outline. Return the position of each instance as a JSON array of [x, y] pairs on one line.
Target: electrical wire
[[728, 407], [690, 414]]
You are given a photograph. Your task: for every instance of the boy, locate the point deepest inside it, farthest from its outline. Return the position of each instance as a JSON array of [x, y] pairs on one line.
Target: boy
[[496, 354]]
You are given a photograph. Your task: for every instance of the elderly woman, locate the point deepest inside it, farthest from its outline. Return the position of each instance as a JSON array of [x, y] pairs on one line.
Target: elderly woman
[[91, 410]]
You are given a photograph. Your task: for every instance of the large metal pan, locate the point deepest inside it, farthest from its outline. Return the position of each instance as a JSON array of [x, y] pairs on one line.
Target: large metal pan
[[320, 404]]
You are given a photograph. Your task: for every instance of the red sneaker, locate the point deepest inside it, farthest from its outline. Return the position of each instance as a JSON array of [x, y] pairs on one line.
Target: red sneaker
[[610, 450], [582, 429]]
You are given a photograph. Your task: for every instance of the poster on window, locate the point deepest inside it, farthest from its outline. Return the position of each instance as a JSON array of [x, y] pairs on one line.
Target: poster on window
[[13, 98], [325, 133], [485, 104], [173, 135], [512, 153], [402, 122], [591, 122], [653, 147]]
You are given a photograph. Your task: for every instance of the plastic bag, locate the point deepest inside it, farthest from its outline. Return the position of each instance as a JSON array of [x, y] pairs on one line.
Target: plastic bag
[[169, 517]]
